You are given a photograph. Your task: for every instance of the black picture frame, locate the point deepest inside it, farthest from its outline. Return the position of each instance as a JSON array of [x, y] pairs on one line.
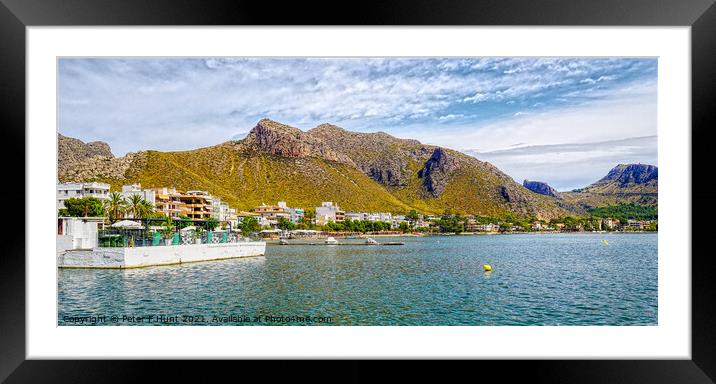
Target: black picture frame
[[700, 15]]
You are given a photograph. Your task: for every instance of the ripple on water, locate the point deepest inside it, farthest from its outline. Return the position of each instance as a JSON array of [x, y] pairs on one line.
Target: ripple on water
[[537, 279]]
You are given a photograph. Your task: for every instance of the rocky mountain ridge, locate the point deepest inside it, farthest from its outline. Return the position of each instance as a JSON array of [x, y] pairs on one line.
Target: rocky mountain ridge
[[625, 183], [71, 151], [542, 188], [360, 171], [282, 140], [627, 176]]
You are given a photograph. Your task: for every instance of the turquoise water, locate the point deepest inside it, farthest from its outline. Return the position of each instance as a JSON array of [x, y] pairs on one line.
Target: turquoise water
[[538, 279]]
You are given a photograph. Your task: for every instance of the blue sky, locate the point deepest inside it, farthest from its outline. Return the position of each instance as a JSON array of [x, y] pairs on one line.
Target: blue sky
[[565, 121]]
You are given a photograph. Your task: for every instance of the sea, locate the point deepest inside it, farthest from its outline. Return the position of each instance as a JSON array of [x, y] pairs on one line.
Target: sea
[[607, 279]]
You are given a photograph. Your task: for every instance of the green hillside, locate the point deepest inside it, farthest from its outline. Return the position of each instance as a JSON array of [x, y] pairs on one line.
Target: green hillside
[[358, 171], [248, 181]]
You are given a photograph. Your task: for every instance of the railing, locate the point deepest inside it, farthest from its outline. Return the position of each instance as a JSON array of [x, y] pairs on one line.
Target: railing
[[141, 238]]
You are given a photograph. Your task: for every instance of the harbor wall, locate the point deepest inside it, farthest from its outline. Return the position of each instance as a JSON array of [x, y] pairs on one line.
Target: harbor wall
[[157, 255]]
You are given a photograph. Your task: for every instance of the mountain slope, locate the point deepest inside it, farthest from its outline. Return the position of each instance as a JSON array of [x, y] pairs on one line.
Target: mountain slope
[[435, 178], [625, 183], [359, 171]]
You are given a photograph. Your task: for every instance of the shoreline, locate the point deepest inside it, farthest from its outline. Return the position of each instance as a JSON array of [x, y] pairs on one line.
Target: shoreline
[[313, 239]]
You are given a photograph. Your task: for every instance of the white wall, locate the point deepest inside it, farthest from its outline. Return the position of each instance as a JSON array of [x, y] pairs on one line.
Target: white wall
[[157, 255]]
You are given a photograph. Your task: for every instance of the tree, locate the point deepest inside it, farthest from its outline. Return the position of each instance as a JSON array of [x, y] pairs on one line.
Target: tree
[[138, 207], [211, 224], [309, 215], [115, 206], [450, 224], [168, 228], [184, 221], [285, 224], [249, 225], [448, 214], [412, 216], [146, 209], [83, 207]]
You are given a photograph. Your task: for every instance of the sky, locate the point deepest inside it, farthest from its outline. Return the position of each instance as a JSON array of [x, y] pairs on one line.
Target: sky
[[564, 121]]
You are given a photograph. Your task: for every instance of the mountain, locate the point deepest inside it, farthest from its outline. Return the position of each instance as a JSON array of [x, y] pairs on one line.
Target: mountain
[[71, 151], [542, 188], [432, 178], [628, 178], [625, 183], [359, 171], [77, 161]]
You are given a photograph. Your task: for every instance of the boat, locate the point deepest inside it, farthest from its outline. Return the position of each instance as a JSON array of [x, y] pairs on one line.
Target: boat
[[371, 241], [330, 240], [283, 242]]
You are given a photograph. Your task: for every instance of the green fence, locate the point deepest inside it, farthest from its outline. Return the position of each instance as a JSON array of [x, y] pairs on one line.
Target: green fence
[[115, 238]]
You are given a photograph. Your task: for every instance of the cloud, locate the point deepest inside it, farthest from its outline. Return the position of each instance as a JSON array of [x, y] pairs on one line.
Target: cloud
[[450, 117], [629, 111], [569, 166], [486, 104]]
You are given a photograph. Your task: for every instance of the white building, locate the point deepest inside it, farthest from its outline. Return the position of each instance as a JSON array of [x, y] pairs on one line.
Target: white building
[[136, 189], [77, 232], [488, 227], [296, 215], [397, 220], [328, 212], [220, 210], [370, 216], [381, 216], [609, 224], [356, 216], [80, 190]]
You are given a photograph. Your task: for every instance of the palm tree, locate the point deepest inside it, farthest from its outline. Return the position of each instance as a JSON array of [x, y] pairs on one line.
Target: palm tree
[[115, 206], [139, 207], [135, 205], [146, 209]]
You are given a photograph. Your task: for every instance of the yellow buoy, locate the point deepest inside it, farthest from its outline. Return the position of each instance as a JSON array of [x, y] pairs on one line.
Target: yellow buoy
[[605, 242], [487, 268]]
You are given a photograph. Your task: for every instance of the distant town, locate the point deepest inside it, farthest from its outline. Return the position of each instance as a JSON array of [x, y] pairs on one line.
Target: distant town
[[94, 199]]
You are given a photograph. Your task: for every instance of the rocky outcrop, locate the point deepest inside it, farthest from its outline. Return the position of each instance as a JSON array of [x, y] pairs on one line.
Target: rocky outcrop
[[437, 170], [505, 193], [542, 188], [626, 175], [384, 158], [77, 161], [71, 151], [285, 141], [100, 167]]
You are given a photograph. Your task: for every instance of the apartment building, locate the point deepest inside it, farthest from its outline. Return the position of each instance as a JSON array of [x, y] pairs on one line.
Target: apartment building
[[80, 190], [197, 205], [168, 201], [329, 212]]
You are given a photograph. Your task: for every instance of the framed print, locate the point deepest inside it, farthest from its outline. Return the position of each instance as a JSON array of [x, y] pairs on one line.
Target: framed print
[[423, 181]]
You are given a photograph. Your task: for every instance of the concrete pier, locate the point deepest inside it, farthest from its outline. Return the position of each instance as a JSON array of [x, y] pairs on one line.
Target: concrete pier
[[137, 257]]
